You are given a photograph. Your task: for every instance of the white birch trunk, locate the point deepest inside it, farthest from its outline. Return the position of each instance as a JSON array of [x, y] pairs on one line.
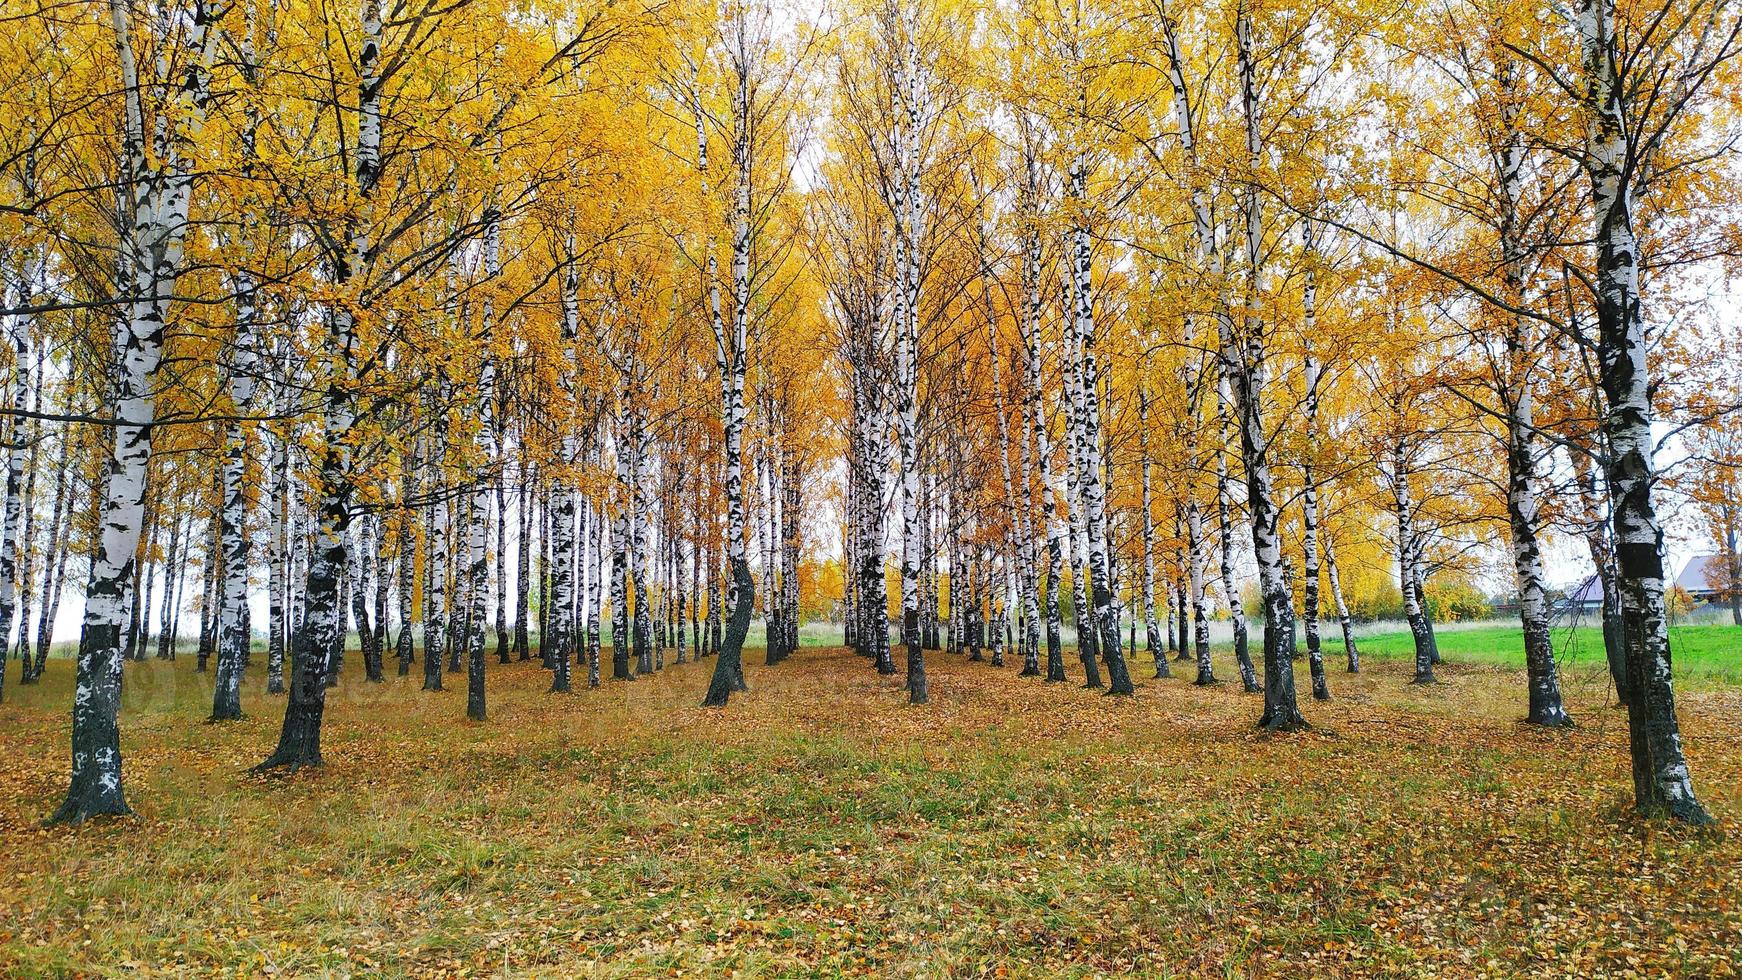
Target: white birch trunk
[[1661, 780], [233, 522], [1244, 365], [155, 198]]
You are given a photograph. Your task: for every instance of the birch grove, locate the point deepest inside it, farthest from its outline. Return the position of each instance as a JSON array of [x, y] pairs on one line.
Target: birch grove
[[1044, 337]]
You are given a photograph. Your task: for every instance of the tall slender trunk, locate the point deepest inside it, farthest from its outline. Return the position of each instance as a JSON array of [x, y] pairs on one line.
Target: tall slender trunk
[[156, 191], [17, 398], [278, 490], [1024, 516], [523, 564], [1243, 366], [1204, 234], [640, 494], [1070, 404], [907, 370], [233, 515], [1406, 557], [405, 559], [1013, 523], [731, 362], [55, 558], [1518, 401], [499, 593], [1101, 587], [621, 663], [478, 529], [1152, 631], [460, 623], [360, 581], [1309, 484], [435, 593], [557, 640], [770, 516], [323, 619], [1224, 533], [1349, 649], [595, 588], [28, 552], [1051, 497], [1661, 780], [172, 580]]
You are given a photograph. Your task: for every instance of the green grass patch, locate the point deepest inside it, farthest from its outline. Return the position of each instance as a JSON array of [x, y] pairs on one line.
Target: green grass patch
[[1709, 653]]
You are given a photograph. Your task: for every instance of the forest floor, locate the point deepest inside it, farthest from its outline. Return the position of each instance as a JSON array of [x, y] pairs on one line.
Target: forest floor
[[821, 826]]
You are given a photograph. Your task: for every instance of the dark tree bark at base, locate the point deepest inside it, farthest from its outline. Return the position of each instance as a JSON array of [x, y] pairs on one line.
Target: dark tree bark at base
[[917, 691], [1283, 721], [729, 667], [1243, 659], [96, 786], [1316, 666], [299, 741], [1546, 707], [885, 660], [559, 679], [1152, 637], [85, 803], [475, 682], [1118, 674], [1615, 649], [1424, 650]]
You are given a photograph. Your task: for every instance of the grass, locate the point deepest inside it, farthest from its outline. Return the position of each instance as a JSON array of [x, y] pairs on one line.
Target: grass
[[1703, 654], [820, 826]]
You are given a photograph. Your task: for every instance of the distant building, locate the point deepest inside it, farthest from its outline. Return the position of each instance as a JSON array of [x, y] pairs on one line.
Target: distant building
[[1586, 597], [1703, 578]]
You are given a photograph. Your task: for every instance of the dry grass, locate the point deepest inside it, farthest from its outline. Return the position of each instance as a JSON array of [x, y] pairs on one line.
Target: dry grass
[[821, 826]]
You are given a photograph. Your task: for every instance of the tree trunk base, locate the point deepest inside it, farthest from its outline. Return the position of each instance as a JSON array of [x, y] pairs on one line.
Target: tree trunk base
[[82, 806], [1556, 717], [1281, 721], [285, 763], [1687, 811]]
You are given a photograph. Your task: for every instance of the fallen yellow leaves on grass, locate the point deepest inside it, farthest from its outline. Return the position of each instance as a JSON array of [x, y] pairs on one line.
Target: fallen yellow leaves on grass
[[822, 825]]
